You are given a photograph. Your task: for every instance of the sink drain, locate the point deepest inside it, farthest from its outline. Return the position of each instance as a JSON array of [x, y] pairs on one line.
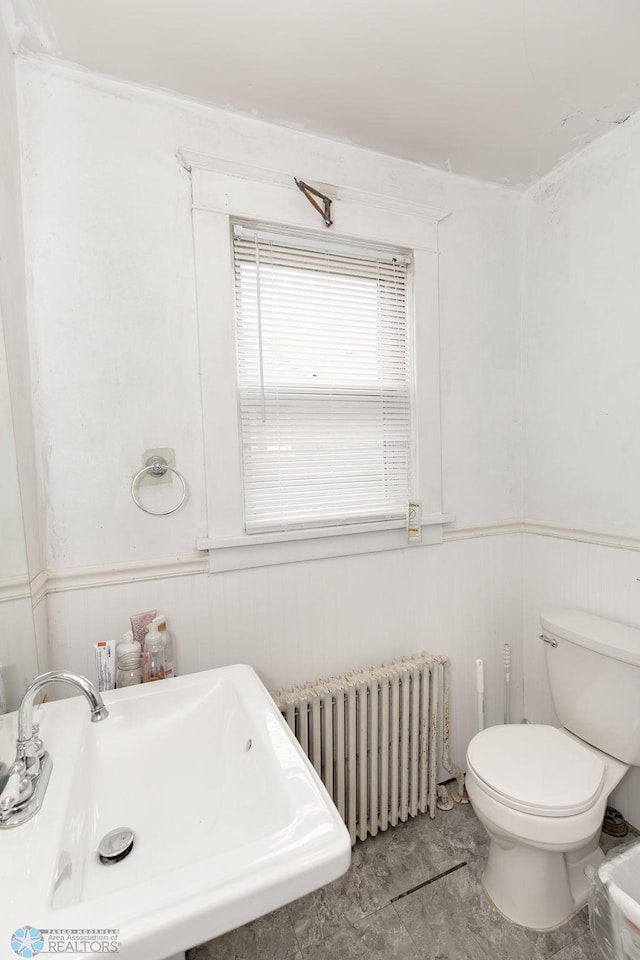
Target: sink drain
[[116, 845]]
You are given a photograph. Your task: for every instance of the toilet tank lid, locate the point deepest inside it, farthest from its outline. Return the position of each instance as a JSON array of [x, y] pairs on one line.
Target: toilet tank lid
[[607, 637]]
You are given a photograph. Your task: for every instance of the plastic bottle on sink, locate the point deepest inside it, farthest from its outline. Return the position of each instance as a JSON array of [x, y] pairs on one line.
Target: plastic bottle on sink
[[153, 654], [159, 623], [129, 661]]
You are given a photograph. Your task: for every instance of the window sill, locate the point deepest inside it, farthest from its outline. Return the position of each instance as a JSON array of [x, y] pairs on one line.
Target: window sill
[[267, 549]]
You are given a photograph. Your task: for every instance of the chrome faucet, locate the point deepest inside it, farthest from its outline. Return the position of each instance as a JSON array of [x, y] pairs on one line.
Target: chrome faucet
[[28, 776]]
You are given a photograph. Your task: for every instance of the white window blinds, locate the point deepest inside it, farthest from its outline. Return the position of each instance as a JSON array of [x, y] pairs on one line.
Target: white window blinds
[[324, 382]]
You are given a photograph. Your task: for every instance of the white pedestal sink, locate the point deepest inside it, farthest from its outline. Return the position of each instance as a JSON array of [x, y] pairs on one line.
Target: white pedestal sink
[[230, 820]]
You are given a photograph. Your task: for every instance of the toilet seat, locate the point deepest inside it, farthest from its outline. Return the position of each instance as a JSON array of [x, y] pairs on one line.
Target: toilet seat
[[536, 769]]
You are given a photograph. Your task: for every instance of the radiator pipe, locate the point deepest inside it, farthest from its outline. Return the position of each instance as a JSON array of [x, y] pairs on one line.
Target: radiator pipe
[[460, 794]]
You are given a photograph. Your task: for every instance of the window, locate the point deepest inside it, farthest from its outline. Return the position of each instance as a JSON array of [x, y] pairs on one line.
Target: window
[[316, 432], [324, 381]]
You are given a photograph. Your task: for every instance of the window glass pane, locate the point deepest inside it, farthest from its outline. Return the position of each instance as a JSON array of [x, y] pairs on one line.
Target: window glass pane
[[323, 373]]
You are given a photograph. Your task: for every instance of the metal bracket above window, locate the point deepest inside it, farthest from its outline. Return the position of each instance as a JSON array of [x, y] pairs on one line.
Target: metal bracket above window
[[325, 210]]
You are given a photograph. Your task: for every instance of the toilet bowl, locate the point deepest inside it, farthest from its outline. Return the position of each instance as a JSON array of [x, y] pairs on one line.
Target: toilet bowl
[[541, 791], [541, 795]]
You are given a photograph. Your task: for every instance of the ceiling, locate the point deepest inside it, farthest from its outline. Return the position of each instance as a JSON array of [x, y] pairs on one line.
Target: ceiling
[[500, 89]]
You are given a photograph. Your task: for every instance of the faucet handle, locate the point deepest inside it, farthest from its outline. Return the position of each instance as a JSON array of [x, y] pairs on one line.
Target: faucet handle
[[18, 788], [8, 800], [22, 795], [30, 755], [20, 769], [36, 743]]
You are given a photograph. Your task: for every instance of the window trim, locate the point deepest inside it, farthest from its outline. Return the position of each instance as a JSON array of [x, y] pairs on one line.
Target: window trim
[[222, 192]]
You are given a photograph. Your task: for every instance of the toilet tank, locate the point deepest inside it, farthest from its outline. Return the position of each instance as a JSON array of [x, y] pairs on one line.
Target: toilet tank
[[594, 674]]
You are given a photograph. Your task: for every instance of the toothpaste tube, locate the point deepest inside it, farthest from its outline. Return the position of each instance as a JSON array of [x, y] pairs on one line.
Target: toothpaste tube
[[105, 665]]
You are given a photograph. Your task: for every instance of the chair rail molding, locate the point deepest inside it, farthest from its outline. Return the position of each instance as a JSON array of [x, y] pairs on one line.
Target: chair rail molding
[[196, 564]]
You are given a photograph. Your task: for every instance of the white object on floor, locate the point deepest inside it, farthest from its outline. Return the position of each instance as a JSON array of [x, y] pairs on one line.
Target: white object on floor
[[614, 904], [541, 792]]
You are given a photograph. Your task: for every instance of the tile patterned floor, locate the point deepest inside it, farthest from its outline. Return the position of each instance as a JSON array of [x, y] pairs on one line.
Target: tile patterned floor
[[369, 914]]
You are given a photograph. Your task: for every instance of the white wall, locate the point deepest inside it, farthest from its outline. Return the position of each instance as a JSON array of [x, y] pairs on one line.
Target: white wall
[[17, 468], [107, 210], [13, 556], [582, 338], [581, 389], [13, 306], [108, 230], [113, 318]]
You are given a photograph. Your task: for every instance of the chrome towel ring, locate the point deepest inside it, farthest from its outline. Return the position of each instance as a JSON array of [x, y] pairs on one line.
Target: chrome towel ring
[[157, 467]]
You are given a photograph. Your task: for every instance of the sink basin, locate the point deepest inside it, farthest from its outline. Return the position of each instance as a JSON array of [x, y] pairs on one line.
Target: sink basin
[[229, 818]]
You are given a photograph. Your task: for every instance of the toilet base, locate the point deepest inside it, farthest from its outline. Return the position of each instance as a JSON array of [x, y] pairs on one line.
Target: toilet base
[[538, 889]]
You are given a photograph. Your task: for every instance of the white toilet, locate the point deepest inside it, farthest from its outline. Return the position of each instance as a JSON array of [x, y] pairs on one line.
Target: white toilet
[[541, 791]]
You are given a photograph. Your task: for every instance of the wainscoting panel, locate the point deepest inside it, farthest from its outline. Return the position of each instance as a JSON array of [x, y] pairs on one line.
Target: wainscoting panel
[[302, 621], [17, 648]]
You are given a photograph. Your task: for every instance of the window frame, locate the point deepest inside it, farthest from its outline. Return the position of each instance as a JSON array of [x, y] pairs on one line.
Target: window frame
[[224, 192]]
